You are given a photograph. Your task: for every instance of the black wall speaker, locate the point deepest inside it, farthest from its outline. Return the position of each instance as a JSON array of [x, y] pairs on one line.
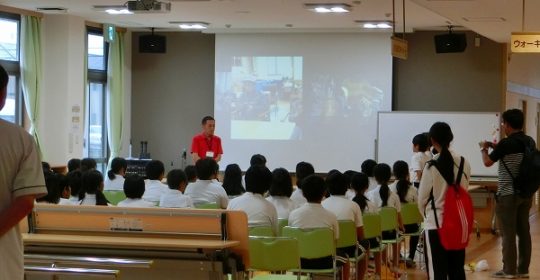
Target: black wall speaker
[[450, 43], [152, 44]]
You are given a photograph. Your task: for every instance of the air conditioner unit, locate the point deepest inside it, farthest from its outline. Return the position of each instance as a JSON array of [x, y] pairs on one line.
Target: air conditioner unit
[[148, 6]]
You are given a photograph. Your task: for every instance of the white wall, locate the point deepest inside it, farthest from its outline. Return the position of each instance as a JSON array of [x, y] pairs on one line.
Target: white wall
[[63, 89]]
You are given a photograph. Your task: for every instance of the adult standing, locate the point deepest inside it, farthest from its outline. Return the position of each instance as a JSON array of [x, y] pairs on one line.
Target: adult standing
[[21, 182], [437, 175], [206, 144], [512, 210]]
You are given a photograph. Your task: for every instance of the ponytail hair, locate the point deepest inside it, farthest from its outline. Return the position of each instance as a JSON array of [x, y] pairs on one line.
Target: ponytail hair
[[402, 187], [382, 173], [117, 164], [360, 183], [441, 133], [91, 181]]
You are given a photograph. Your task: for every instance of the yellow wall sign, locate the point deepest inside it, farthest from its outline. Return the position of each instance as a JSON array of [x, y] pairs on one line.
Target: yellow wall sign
[[525, 42], [400, 48]]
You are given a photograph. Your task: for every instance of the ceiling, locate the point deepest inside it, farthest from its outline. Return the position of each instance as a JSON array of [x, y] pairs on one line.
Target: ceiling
[[494, 19]]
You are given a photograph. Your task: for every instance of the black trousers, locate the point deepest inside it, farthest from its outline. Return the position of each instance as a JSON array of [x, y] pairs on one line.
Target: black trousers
[[443, 264]]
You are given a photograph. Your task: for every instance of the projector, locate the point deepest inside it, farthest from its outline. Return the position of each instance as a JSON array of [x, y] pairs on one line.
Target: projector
[[148, 6]]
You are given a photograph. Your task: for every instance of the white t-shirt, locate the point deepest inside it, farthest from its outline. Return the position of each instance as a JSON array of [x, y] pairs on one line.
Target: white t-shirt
[[205, 191], [418, 161], [412, 192], [393, 199], [116, 184], [298, 197], [138, 202], [372, 184], [433, 180], [64, 201], [175, 199], [350, 194], [313, 215], [20, 174], [344, 209], [154, 189], [260, 212], [283, 204]]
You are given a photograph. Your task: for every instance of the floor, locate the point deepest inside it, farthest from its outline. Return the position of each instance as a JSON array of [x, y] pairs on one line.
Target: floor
[[488, 247]]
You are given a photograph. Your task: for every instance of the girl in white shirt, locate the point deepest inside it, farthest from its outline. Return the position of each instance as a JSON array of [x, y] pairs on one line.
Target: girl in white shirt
[[367, 168], [115, 176], [92, 189], [174, 197], [134, 190], [421, 154], [442, 263], [280, 192]]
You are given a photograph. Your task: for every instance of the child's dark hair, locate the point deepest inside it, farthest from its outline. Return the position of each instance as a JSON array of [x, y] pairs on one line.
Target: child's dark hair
[[232, 180], [281, 183], [74, 181], [191, 173], [258, 179], [52, 181], [91, 181], [313, 188], [117, 164], [367, 167], [336, 183], [154, 170], [303, 169], [88, 164], [175, 177], [401, 171], [348, 175], [421, 141], [441, 133], [382, 174], [74, 164], [360, 183], [206, 167], [134, 186], [402, 187], [257, 159]]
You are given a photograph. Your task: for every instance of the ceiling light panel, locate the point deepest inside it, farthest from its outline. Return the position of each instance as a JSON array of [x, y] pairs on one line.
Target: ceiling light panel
[[336, 8]]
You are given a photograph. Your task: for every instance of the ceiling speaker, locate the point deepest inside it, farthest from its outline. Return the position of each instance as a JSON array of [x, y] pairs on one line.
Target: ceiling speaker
[[450, 43]]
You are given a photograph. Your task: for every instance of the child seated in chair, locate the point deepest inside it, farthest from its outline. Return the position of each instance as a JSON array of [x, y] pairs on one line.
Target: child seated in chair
[[134, 190], [174, 197], [313, 215]]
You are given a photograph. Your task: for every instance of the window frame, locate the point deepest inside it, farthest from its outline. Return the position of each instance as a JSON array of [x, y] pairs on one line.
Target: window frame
[[13, 68]]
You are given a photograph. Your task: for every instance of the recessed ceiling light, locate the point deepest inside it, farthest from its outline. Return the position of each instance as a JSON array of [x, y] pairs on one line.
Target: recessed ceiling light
[[375, 24], [124, 11], [328, 8], [113, 9], [191, 25]]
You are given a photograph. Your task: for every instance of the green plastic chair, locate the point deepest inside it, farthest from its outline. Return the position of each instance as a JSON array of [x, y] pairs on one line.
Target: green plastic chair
[[389, 221], [281, 224], [114, 196], [410, 214], [209, 205], [314, 243], [372, 229], [261, 231], [267, 254], [348, 238]]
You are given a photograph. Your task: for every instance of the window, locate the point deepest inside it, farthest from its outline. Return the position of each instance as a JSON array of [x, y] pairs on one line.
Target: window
[[9, 59], [96, 126]]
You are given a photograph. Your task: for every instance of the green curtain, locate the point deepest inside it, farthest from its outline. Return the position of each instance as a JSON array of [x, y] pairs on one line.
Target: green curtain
[[31, 72], [115, 89]]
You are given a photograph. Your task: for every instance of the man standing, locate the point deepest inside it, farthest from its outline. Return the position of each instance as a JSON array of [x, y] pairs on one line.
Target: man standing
[[206, 144], [21, 182], [512, 210]]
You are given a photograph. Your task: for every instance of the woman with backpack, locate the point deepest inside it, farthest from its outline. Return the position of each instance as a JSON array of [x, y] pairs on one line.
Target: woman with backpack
[[438, 174]]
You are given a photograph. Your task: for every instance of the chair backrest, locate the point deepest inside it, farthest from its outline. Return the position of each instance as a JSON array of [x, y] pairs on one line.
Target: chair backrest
[[410, 214], [281, 224], [312, 243], [209, 205], [389, 218], [261, 231], [347, 234], [114, 196], [372, 225], [267, 253]]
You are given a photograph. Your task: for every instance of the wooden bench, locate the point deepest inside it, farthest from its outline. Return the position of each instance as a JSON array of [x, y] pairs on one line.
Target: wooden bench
[[140, 242]]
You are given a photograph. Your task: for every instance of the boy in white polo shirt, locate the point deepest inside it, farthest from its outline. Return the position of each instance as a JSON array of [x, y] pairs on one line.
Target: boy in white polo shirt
[[134, 190], [155, 170], [313, 215], [204, 190], [345, 209], [260, 211], [174, 197]]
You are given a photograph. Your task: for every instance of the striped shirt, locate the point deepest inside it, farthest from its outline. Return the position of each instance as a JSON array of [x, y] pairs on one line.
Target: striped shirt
[[510, 151]]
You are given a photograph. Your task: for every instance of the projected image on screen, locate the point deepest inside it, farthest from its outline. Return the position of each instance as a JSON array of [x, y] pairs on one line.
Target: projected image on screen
[[262, 96]]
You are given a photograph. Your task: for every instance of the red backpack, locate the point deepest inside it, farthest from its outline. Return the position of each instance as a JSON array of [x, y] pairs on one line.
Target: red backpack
[[457, 217]]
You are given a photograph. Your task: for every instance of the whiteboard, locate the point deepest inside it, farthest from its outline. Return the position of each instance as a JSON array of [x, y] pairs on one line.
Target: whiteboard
[[396, 130]]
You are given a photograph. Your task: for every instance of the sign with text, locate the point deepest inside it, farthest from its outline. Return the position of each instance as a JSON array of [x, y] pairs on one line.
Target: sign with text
[[400, 48], [525, 42]]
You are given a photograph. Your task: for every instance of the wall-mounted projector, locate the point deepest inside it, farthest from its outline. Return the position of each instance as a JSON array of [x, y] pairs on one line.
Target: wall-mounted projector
[[148, 6]]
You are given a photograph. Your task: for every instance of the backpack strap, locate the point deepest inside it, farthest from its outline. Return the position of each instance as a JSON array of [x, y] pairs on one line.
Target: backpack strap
[[456, 185]]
